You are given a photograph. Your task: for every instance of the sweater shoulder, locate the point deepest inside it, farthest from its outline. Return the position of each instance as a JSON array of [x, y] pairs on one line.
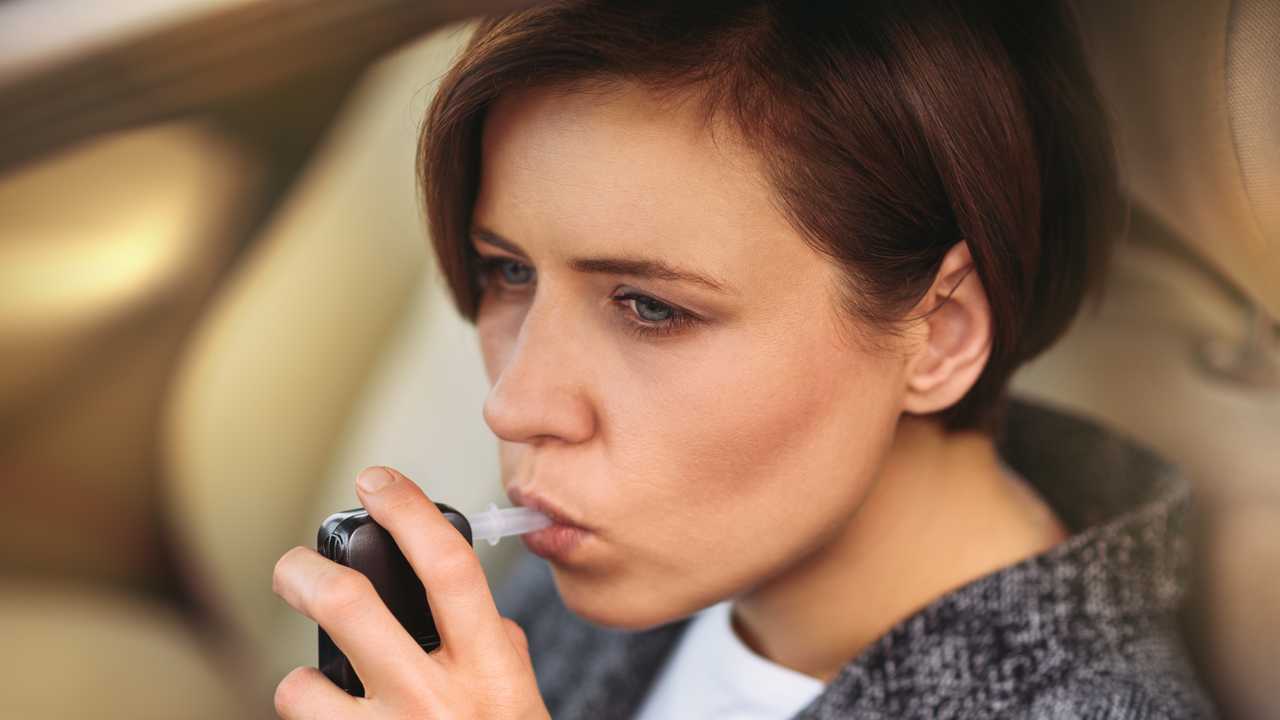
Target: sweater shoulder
[[1160, 686]]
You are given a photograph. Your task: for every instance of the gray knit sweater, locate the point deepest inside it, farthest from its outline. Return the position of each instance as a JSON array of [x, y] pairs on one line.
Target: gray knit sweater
[[1086, 629]]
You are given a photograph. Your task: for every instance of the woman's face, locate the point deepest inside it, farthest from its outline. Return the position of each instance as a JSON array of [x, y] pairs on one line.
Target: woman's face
[[711, 434]]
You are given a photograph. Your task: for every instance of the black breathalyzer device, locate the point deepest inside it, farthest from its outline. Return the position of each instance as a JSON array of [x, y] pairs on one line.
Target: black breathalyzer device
[[354, 539]]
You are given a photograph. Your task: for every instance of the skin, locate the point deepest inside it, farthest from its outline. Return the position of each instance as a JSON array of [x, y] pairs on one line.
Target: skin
[[756, 454]]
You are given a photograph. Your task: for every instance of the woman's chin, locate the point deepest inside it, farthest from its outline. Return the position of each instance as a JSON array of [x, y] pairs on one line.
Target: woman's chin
[[611, 604]]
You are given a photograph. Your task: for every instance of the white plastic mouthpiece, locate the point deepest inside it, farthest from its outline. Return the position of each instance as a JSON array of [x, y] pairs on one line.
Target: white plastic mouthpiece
[[494, 524]]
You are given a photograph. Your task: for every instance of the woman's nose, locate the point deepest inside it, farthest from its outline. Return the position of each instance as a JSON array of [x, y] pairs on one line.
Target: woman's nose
[[541, 391]]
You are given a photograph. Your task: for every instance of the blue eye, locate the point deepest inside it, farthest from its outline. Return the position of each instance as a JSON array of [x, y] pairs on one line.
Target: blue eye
[[511, 272], [658, 318], [515, 273], [651, 310]]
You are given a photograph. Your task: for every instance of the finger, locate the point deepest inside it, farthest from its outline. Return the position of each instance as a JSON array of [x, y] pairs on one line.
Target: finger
[[306, 694], [345, 604], [463, 608], [516, 634]]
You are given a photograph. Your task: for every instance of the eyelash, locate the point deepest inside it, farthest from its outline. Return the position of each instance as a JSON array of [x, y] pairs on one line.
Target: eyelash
[[677, 321]]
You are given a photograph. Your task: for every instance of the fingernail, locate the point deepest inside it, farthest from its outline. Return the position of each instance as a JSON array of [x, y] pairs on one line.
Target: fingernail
[[373, 479]]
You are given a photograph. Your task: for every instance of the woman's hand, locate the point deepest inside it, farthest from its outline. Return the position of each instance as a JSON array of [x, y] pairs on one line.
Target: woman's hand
[[482, 668]]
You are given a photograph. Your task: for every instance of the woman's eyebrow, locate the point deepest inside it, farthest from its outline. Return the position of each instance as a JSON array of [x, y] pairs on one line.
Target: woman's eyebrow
[[634, 266]]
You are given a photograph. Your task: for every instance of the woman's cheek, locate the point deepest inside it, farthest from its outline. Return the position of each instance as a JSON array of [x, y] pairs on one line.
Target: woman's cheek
[[496, 329]]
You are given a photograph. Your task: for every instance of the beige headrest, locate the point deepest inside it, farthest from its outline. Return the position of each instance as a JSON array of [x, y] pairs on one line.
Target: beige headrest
[[1192, 86]]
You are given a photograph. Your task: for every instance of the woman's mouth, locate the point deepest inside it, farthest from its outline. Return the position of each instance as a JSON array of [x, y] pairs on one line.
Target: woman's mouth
[[552, 510], [556, 542]]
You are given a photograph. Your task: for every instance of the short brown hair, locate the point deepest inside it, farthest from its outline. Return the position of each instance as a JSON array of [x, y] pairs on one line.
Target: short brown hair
[[891, 129]]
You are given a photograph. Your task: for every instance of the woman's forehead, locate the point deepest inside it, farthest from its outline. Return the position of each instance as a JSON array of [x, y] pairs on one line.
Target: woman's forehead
[[617, 170], [622, 139]]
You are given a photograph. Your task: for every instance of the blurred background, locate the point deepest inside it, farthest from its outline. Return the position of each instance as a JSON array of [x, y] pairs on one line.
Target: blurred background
[[217, 304]]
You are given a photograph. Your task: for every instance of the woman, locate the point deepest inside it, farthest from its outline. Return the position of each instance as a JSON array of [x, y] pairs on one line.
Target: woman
[[750, 280]]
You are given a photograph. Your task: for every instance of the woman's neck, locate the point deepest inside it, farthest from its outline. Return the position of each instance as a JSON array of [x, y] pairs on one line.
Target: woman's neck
[[941, 513]]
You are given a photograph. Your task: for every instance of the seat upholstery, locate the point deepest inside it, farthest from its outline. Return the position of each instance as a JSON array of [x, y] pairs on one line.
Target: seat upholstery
[[313, 363], [76, 650], [1191, 86], [102, 275]]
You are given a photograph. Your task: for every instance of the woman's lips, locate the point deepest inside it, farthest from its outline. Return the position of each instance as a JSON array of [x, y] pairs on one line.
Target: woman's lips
[[556, 542], [544, 506]]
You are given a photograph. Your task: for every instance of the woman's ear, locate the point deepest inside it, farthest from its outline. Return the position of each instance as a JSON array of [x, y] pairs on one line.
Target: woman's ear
[[956, 336]]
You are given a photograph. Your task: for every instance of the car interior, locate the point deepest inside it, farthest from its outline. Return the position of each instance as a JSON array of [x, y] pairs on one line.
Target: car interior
[[218, 303]]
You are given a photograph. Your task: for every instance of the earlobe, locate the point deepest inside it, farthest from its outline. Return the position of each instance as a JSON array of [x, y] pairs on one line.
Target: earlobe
[[956, 343]]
